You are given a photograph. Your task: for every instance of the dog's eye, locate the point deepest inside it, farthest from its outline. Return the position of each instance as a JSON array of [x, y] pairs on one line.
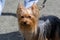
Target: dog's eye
[[29, 16], [22, 16]]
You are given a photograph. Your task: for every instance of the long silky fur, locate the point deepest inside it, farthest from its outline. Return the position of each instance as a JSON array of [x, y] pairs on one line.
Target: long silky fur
[[49, 25]]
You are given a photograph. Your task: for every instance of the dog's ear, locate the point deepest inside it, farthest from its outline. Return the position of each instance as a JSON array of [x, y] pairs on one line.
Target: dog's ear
[[34, 6], [35, 10], [20, 8]]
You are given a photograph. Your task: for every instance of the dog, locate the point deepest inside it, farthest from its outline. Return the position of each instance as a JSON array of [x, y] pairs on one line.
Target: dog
[[27, 20], [49, 27]]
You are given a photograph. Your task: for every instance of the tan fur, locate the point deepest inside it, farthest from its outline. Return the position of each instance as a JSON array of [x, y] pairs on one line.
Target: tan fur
[[28, 20]]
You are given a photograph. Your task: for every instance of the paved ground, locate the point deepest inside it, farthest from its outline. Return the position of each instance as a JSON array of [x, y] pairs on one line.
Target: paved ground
[[8, 21]]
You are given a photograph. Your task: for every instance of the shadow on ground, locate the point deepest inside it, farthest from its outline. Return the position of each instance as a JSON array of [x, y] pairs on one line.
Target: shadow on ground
[[11, 36]]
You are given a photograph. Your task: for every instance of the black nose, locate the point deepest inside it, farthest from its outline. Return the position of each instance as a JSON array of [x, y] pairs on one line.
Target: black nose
[[24, 23]]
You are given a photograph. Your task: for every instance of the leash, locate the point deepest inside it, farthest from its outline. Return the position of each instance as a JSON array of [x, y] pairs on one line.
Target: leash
[[42, 5], [44, 1]]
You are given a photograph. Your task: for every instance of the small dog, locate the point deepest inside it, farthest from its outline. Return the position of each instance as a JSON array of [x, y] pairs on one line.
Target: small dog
[[50, 27], [28, 20]]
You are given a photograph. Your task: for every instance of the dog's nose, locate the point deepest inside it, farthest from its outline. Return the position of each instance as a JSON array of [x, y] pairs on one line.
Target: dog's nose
[[24, 23]]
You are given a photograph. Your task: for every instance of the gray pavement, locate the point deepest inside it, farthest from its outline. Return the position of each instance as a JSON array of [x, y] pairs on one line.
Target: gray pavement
[[9, 24]]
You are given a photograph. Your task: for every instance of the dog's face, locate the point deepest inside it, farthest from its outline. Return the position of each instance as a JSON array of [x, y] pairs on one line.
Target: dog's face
[[27, 17]]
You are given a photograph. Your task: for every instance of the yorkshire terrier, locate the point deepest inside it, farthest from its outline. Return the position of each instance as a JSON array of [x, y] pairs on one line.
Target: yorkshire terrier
[[28, 20], [34, 28]]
